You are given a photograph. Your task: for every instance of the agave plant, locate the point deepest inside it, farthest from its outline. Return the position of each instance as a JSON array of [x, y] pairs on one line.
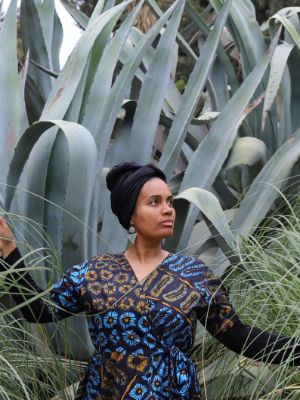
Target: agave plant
[[227, 144]]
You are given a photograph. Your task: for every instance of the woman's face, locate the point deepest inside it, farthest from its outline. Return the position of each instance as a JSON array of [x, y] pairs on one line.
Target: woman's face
[[154, 215]]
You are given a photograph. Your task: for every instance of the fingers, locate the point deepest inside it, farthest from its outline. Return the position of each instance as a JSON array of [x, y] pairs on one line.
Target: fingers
[[3, 223]]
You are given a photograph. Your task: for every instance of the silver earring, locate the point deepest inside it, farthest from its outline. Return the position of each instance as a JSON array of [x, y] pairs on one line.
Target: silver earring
[[131, 229]]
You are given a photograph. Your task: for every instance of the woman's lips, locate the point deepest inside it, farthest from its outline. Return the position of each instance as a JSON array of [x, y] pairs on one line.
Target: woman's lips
[[169, 223]]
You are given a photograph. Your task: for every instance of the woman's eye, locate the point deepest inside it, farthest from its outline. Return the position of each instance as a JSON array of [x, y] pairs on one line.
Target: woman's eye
[[170, 202], [154, 202]]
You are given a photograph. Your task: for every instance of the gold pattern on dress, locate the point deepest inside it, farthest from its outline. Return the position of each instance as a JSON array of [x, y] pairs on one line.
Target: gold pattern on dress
[[124, 288], [138, 362], [122, 278], [139, 292], [176, 294], [150, 279], [142, 306], [191, 300], [105, 275], [226, 324], [91, 275], [117, 355], [109, 288], [161, 285], [127, 303], [94, 287], [98, 304]]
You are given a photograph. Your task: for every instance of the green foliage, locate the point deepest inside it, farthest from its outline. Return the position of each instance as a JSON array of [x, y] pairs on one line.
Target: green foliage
[[265, 289], [231, 136]]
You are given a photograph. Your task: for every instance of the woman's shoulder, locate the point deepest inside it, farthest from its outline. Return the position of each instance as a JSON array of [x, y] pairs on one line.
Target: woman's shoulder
[[105, 259], [186, 260]]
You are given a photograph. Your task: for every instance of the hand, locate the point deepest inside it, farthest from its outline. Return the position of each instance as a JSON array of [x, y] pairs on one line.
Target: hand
[[7, 242]]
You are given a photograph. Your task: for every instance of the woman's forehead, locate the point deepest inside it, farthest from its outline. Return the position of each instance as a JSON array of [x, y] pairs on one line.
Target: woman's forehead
[[155, 186]]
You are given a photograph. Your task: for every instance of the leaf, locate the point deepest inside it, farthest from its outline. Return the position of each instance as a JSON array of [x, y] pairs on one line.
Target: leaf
[[281, 17], [191, 96], [65, 86], [94, 109], [183, 44], [222, 56], [79, 142], [152, 93], [209, 205], [52, 31], [9, 91], [247, 151], [118, 92], [278, 65], [34, 41], [266, 187], [213, 150], [81, 19], [246, 32]]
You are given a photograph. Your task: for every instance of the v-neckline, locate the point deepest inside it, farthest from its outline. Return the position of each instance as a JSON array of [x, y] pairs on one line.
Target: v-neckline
[[140, 282]]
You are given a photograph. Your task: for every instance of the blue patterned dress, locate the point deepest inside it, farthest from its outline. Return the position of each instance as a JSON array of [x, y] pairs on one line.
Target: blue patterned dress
[[143, 332]]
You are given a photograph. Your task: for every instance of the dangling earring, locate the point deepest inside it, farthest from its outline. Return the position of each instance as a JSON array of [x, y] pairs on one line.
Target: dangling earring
[[131, 229]]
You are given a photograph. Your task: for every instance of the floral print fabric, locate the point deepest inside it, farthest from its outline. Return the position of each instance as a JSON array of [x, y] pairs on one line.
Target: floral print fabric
[[143, 332]]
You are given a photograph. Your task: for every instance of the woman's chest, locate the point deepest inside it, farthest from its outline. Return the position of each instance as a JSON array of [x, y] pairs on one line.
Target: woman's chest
[[164, 304]]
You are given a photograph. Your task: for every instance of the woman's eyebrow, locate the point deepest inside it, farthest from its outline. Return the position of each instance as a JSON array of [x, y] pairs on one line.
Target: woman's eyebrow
[[159, 196]]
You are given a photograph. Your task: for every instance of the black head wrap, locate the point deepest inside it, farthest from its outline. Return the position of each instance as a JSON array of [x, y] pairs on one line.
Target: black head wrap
[[125, 180]]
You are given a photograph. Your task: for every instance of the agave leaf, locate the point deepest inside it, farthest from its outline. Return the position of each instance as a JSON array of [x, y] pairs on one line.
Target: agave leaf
[[217, 86], [213, 150], [34, 41], [209, 205], [109, 4], [119, 90], [172, 95], [152, 93], [278, 65], [182, 209], [77, 136], [226, 196], [22, 80], [191, 96], [285, 121], [65, 86], [47, 71], [72, 164], [33, 99], [282, 18], [9, 91], [266, 187], [52, 32], [293, 64], [246, 33], [94, 109], [224, 59], [183, 44], [248, 151], [96, 12], [81, 19]]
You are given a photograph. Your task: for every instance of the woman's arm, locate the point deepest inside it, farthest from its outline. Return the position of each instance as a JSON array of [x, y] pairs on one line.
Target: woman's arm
[[65, 296], [23, 288], [221, 321]]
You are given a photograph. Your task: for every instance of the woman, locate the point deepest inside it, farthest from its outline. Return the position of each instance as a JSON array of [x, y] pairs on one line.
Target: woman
[[143, 304]]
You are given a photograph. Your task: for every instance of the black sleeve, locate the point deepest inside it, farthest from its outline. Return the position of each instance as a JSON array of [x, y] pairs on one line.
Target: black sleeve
[[220, 319], [25, 289], [260, 345]]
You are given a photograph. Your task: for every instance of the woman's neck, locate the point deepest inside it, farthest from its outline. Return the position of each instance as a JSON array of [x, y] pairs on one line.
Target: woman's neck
[[144, 251]]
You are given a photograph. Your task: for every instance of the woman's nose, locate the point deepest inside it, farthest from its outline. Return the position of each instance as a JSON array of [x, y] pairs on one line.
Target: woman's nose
[[167, 209]]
